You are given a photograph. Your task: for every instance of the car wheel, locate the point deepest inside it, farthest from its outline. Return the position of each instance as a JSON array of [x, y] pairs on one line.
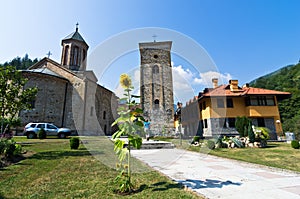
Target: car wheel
[[62, 135], [30, 135]]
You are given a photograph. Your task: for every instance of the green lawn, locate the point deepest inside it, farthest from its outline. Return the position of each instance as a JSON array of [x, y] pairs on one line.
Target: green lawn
[[277, 154], [55, 171]]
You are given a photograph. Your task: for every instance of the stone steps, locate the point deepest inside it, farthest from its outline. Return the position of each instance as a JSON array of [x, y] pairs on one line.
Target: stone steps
[[151, 144]]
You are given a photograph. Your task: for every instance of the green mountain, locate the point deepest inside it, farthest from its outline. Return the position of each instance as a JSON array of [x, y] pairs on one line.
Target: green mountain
[[285, 79]]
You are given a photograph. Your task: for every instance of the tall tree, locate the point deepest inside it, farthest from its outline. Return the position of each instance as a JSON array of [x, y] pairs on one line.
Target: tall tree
[[21, 63], [13, 96]]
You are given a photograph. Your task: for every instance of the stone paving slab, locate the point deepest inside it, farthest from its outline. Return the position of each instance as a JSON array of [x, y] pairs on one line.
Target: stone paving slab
[[215, 177]]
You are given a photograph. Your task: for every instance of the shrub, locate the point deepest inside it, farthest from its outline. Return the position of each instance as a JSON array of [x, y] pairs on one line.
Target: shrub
[[196, 139], [9, 148], [42, 134], [210, 144], [241, 125], [262, 133], [74, 142], [295, 144]]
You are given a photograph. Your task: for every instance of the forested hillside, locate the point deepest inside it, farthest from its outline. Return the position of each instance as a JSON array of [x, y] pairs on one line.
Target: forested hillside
[[21, 63], [285, 79]]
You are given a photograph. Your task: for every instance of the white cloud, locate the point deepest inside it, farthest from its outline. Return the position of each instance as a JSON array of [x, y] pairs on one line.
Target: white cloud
[[205, 79], [135, 78], [186, 84]]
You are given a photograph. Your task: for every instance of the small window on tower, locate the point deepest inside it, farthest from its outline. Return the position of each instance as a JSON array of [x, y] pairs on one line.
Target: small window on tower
[[155, 56], [156, 103], [155, 69]]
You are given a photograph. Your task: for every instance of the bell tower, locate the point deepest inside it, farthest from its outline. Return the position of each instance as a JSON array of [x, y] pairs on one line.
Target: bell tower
[[156, 87], [74, 51]]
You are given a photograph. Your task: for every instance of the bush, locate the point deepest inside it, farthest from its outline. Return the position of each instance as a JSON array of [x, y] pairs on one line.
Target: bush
[[241, 125], [295, 144], [196, 139], [42, 134], [262, 133], [9, 148], [210, 144], [74, 142]]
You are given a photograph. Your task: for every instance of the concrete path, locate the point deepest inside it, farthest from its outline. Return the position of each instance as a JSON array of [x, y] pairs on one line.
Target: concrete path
[[215, 177]]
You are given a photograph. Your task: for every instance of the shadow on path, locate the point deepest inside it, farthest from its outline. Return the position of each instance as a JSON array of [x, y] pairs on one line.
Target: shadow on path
[[207, 183]]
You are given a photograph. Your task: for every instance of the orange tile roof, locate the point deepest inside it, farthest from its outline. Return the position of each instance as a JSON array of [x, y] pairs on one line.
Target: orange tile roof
[[224, 90]]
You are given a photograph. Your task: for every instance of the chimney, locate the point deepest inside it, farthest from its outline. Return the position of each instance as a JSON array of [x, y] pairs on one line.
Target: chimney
[[234, 85], [246, 85], [215, 82]]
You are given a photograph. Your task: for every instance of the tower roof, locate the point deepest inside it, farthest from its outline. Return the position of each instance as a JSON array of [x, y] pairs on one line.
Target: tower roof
[[75, 35]]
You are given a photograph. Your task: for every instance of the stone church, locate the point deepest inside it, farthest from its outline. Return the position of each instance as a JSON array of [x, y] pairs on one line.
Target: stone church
[[156, 85], [68, 94]]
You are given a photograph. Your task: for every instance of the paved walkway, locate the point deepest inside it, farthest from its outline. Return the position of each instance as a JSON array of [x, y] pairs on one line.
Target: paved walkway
[[215, 177]]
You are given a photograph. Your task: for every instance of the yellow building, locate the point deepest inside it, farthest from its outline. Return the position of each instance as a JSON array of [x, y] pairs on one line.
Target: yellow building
[[215, 109]]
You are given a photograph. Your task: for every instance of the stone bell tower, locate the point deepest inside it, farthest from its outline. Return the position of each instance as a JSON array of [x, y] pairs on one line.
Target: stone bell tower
[[74, 51], [156, 88]]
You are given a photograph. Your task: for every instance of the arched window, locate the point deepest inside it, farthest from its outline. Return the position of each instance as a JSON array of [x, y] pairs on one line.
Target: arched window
[[104, 115], [83, 55], [156, 103], [66, 54], [75, 56], [155, 69]]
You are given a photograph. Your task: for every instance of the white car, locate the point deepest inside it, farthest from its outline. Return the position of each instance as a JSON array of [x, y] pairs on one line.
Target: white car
[[31, 130]]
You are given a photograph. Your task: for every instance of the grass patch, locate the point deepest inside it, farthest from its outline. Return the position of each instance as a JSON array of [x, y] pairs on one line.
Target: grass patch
[[56, 171], [280, 155]]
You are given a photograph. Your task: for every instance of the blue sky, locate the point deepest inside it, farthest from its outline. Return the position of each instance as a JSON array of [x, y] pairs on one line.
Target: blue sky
[[245, 39]]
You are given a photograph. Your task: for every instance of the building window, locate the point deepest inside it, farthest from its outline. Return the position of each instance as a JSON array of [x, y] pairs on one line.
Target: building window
[[222, 123], [231, 122], [104, 115], [260, 101], [205, 123], [220, 103], [83, 55], [156, 103], [155, 69], [75, 56], [270, 100], [229, 103], [66, 54], [261, 122]]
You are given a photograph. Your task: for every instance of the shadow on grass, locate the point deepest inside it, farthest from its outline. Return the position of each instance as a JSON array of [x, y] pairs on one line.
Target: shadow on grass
[[271, 146], [208, 183], [163, 186], [49, 155], [159, 186]]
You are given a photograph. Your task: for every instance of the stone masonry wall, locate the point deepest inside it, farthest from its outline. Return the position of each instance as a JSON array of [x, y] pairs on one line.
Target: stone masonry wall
[[157, 86]]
